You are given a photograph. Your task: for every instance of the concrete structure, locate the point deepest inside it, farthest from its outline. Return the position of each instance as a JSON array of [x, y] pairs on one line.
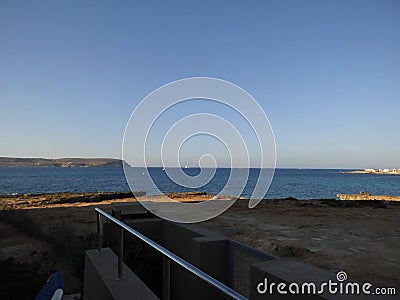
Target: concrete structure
[[238, 266], [100, 279], [129, 210], [204, 249]]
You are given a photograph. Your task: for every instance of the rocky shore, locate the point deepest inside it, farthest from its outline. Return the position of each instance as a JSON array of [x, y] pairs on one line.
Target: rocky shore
[[28, 201]]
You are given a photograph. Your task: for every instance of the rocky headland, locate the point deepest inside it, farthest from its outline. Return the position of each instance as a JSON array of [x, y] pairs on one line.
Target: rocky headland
[[60, 162]]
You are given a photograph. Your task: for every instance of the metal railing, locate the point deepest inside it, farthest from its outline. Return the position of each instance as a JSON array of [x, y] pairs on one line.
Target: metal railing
[[167, 257]]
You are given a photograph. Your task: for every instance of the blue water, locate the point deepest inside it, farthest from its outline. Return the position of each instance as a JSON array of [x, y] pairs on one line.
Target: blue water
[[298, 183]]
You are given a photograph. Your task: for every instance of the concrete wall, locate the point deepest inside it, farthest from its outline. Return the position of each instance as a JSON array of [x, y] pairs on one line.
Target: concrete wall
[[100, 283], [208, 251], [150, 227], [210, 254], [203, 248]]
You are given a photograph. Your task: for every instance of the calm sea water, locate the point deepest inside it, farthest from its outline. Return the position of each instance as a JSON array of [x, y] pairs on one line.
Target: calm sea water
[[298, 183]]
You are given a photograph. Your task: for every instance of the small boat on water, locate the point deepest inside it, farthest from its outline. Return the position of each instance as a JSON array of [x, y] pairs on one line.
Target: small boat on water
[[367, 196]]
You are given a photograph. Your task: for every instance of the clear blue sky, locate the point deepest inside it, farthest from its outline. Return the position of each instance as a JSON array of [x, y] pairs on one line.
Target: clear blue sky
[[327, 73]]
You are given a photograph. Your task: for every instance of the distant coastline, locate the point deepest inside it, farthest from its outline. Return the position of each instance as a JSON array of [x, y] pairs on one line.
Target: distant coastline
[[60, 162], [375, 171]]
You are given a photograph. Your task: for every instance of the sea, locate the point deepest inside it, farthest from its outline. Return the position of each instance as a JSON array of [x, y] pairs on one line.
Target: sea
[[301, 184]]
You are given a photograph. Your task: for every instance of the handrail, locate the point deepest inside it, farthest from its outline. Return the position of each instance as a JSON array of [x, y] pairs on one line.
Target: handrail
[[196, 271]]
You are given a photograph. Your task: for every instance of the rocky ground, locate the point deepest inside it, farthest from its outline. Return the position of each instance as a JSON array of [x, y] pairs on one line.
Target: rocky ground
[[361, 238]]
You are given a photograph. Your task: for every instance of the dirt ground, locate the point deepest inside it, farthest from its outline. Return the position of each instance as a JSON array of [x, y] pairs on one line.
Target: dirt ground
[[362, 239]]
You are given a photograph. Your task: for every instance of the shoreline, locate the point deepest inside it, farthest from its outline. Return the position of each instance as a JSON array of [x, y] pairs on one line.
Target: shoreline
[[66, 199]]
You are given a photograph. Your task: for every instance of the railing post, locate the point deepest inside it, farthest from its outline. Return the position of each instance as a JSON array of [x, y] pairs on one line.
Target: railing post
[[99, 231], [166, 288], [121, 255]]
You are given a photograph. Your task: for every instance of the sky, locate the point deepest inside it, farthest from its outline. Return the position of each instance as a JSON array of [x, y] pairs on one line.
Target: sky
[[326, 73]]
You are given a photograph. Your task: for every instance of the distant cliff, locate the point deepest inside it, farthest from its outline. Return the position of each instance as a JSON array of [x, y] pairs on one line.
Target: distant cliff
[[60, 162]]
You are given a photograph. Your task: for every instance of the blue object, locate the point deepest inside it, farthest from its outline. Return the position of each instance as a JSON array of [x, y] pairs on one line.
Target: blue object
[[54, 283]]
